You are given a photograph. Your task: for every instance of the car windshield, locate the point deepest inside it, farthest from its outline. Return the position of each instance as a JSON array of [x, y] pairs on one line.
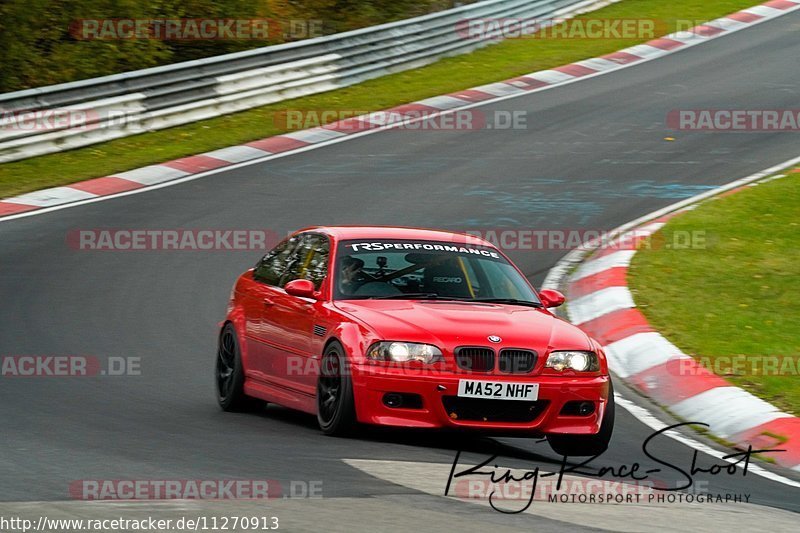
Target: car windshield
[[429, 270]]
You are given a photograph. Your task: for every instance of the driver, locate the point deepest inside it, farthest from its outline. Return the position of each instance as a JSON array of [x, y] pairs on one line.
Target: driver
[[351, 277]]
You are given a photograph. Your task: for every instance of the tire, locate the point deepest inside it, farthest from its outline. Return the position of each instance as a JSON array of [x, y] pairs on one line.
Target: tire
[[587, 445], [229, 374], [335, 404]]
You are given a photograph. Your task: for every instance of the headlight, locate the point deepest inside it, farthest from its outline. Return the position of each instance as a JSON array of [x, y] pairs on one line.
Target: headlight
[[403, 352], [578, 361]]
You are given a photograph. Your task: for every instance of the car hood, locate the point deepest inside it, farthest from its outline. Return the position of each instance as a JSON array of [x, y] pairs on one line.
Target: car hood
[[451, 324]]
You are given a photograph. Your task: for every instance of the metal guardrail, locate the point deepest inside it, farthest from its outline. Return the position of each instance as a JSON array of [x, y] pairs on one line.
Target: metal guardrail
[[156, 98]]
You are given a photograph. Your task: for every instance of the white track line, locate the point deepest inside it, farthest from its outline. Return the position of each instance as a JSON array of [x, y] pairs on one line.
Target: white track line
[[645, 417]]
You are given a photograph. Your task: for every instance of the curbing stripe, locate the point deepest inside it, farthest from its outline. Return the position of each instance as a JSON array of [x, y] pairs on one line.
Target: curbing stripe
[[442, 102], [412, 109], [763, 10], [665, 44], [50, 197], [551, 77], [10, 208], [352, 125], [599, 303], [383, 117], [598, 64], [645, 51], [617, 325], [765, 436], [622, 57], [277, 144], [472, 95], [728, 410], [676, 380], [704, 31], [152, 174], [576, 70], [196, 163], [696, 34], [611, 277], [730, 23], [528, 83], [237, 154], [500, 89], [739, 16], [105, 186], [314, 135], [640, 352], [615, 259]]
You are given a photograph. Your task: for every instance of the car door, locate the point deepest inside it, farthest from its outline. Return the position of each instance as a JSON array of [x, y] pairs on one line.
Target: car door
[[292, 318], [260, 293]]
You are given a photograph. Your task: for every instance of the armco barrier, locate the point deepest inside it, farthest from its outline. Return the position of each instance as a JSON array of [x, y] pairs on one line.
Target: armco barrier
[[156, 98]]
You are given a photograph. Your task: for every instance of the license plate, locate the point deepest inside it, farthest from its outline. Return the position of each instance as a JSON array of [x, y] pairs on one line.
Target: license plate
[[497, 390]]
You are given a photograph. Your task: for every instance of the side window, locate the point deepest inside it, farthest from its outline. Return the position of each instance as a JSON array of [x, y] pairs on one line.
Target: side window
[[272, 266], [309, 260]]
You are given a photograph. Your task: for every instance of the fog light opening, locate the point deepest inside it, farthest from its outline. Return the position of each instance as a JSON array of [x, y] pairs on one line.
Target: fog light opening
[[392, 399], [578, 408], [402, 400]]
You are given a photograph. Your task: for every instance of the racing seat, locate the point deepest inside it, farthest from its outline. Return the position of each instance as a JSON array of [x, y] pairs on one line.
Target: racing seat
[[446, 279]]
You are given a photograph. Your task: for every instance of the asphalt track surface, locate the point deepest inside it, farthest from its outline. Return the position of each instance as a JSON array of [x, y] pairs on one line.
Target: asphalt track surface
[[594, 155]]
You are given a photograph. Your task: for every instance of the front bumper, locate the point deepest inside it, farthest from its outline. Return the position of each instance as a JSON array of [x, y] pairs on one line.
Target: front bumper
[[439, 409]]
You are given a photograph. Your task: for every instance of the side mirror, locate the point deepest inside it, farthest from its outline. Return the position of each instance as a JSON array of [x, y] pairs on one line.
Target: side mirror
[[300, 287], [551, 298]]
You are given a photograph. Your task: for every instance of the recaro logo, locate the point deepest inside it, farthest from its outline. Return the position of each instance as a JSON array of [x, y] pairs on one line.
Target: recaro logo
[[446, 279]]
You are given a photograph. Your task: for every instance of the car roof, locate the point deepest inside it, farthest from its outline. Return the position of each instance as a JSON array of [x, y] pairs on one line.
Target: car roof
[[397, 232]]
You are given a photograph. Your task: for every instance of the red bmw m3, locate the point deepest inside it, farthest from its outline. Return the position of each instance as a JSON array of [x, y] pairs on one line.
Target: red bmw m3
[[411, 328]]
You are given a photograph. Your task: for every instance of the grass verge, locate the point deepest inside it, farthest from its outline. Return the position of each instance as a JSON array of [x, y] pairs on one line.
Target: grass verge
[[505, 60], [731, 302]]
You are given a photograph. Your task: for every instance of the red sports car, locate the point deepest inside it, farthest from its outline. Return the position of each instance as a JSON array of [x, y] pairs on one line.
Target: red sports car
[[411, 328]]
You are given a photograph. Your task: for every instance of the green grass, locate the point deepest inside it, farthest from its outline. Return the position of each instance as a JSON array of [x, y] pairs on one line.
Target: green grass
[[736, 295], [507, 59]]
